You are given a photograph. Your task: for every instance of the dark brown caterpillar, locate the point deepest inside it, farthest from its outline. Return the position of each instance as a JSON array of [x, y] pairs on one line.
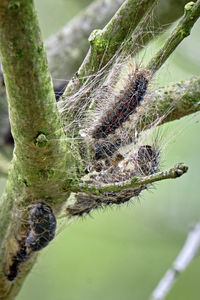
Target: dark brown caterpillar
[[43, 226], [147, 160], [17, 259], [125, 105]]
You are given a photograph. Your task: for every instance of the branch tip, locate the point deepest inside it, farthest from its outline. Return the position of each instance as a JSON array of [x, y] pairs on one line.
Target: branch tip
[[180, 169], [134, 182], [189, 6], [181, 31]]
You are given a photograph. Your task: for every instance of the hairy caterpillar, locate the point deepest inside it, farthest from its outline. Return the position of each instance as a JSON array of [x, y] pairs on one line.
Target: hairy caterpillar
[[146, 160], [111, 163], [143, 163], [17, 259], [106, 133], [124, 105], [43, 226]]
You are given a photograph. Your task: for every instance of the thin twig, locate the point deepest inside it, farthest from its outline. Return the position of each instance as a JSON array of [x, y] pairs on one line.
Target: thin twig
[[67, 48], [186, 255], [88, 197], [105, 43], [135, 182], [182, 30]]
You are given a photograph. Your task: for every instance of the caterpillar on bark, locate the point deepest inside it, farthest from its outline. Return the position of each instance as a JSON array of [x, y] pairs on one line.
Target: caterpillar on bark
[[43, 226], [20, 257], [42, 223]]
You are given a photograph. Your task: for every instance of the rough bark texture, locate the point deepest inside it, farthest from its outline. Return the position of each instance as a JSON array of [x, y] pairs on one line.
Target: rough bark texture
[[40, 154], [105, 43], [171, 103]]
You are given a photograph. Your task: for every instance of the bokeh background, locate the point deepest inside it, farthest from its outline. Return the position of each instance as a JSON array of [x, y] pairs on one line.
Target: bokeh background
[[122, 253]]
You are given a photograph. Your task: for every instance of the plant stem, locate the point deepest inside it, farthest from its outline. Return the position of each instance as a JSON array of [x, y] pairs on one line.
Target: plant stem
[[41, 156], [188, 252], [170, 103], [135, 182], [182, 30], [105, 43]]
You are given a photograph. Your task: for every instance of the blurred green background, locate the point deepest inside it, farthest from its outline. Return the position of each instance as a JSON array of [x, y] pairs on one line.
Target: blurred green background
[[122, 253]]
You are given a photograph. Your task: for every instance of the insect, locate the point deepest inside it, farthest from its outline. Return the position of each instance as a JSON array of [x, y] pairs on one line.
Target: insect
[[17, 259], [106, 139], [110, 165], [147, 160], [142, 163], [124, 105], [42, 230], [43, 226]]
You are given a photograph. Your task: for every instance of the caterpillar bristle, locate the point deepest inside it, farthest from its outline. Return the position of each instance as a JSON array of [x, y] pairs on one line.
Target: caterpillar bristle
[[147, 160]]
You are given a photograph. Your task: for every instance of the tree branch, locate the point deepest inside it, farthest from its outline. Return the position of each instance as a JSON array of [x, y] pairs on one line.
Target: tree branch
[[182, 30], [73, 37], [186, 255], [134, 182], [105, 43], [41, 152], [67, 48], [171, 103], [87, 197]]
